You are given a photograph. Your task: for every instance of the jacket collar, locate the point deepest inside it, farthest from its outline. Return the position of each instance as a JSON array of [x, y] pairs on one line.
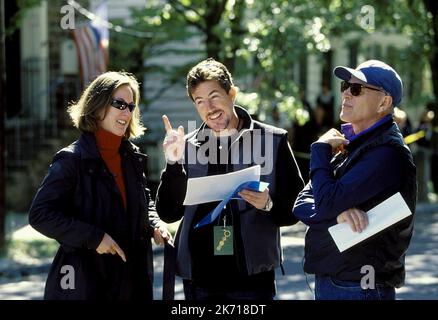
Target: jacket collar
[[371, 136], [347, 128], [90, 151]]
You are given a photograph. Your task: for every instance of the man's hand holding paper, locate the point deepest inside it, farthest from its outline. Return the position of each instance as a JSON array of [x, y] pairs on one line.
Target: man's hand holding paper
[[356, 219], [257, 199], [382, 216], [218, 187], [244, 184]]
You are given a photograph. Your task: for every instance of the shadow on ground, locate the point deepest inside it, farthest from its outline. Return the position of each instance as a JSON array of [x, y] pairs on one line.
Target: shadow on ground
[[22, 276]]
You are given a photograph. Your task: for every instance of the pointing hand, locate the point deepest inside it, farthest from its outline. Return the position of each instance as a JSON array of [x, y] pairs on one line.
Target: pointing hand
[[174, 142]]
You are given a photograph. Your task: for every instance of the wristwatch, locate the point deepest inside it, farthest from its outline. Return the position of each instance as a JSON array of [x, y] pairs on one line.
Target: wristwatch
[[268, 205]]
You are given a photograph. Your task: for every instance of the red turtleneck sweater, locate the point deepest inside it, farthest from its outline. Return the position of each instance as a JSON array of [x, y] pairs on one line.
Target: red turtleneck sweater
[[108, 145]]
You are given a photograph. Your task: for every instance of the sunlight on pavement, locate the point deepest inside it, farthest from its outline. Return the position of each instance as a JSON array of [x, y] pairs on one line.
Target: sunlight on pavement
[[424, 279], [30, 289], [27, 233], [421, 267]]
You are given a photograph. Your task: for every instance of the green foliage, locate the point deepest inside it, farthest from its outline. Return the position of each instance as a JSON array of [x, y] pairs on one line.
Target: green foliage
[[261, 41], [165, 32], [250, 100], [411, 19], [23, 7], [38, 249]]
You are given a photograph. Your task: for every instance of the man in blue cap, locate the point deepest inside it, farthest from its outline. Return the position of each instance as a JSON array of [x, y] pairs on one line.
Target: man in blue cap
[[351, 172]]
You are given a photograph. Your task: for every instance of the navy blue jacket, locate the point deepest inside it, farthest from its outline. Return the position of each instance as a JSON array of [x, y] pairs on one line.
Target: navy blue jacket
[[376, 165]]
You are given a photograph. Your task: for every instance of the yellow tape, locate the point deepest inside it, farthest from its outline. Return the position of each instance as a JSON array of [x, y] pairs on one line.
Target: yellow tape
[[415, 137]]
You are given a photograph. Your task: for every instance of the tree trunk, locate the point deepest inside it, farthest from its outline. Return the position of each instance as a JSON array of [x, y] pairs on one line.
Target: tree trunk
[[213, 43], [2, 126], [237, 31], [212, 19], [432, 8]]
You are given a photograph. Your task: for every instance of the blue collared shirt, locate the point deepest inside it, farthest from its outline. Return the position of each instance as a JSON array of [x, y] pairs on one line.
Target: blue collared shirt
[[348, 132]]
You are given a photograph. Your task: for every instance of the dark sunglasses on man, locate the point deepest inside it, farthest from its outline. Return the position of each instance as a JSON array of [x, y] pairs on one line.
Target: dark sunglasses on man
[[356, 88], [122, 105]]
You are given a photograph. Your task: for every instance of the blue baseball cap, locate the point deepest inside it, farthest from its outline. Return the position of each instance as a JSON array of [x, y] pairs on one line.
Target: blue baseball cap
[[375, 73]]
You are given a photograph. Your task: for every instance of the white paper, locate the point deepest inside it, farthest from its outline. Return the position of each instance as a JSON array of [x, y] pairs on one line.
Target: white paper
[[217, 187], [380, 217]]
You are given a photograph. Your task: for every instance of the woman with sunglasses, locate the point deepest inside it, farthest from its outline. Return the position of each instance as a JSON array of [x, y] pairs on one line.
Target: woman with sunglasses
[[94, 200]]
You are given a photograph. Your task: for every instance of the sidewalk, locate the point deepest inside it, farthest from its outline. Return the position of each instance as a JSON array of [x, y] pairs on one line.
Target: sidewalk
[[24, 279]]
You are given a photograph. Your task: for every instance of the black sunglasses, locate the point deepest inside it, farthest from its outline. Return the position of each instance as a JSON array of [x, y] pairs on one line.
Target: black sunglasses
[[122, 105], [356, 88]]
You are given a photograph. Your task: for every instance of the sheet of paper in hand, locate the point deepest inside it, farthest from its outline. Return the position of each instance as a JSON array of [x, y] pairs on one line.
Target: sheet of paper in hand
[[217, 187], [380, 217]]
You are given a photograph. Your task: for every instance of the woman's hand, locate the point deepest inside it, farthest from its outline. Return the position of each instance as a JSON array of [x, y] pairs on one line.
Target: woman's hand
[[162, 235], [108, 245]]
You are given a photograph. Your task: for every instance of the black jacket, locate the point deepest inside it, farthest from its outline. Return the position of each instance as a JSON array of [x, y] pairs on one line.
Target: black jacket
[[77, 202], [259, 231]]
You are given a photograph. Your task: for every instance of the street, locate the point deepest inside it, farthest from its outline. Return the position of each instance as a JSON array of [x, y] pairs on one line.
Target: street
[[421, 268]]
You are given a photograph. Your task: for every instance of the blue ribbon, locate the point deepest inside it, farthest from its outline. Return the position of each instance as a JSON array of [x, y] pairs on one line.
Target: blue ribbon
[[259, 186]]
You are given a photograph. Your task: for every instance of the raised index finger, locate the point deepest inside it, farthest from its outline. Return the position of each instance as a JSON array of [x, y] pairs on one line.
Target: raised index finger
[[167, 124]]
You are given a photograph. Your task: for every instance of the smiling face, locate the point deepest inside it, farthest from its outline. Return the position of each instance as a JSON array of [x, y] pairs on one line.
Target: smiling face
[[364, 110], [117, 121], [215, 106]]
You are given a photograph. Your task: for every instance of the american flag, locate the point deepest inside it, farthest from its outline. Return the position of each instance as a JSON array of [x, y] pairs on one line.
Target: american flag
[[92, 45]]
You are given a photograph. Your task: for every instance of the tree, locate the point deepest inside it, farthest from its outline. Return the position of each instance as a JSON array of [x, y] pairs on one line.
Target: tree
[[2, 129], [264, 39], [432, 8], [259, 34], [432, 27], [161, 34], [417, 19]]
